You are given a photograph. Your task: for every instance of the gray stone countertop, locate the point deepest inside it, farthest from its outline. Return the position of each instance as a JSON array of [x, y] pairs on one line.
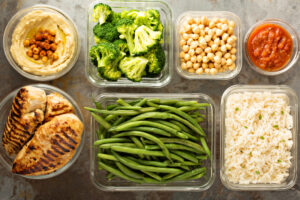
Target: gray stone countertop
[[75, 183]]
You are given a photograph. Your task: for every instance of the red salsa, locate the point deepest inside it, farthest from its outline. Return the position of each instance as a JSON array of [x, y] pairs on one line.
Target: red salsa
[[270, 47]]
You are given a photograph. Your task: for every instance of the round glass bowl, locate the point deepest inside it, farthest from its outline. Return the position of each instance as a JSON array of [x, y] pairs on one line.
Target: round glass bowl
[[7, 41], [5, 107], [295, 51]]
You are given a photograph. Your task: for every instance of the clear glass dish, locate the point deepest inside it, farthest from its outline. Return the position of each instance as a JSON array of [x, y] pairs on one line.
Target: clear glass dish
[[237, 31], [5, 106], [7, 37], [293, 103], [209, 126], [166, 18], [295, 52]]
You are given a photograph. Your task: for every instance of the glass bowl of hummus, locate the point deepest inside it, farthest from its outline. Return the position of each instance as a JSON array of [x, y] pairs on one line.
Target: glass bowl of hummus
[[41, 42]]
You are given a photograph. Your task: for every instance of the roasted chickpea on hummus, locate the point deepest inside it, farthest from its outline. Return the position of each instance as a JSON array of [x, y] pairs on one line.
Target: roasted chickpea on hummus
[[28, 29]]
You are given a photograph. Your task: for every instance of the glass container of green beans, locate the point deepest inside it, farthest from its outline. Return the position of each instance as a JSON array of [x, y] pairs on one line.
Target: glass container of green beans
[[123, 164]]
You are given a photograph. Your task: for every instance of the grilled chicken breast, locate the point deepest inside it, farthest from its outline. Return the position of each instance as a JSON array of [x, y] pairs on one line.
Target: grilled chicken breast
[[57, 105], [26, 114], [52, 146]]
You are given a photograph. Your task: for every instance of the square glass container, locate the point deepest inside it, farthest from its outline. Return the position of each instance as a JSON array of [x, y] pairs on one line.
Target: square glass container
[[237, 32], [209, 126], [166, 18], [293, 103]]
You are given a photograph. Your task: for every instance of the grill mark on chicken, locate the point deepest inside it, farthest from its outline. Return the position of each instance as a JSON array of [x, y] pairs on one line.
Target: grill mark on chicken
[[48, 157], [56, 150], [68, 137], [62, 140], [54, 141], [52, 154]]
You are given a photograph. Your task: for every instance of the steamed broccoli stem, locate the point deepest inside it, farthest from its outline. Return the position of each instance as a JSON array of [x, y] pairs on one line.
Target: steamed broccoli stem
[[101, 12], [133, 67], [106, 31], [145, 39]]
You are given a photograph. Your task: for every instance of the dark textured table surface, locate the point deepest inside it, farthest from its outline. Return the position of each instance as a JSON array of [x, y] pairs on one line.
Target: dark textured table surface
[[75, 183]]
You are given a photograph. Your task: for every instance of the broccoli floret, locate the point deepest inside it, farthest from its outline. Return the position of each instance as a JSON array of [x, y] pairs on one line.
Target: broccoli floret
[[99, 40], [101, 13], [145, 39], [103, 54], [153, 21], [111, 72], [133, 67], [126, 28], [106, 31], [115, 17], [131, 14], [157, 60], [122, 45]]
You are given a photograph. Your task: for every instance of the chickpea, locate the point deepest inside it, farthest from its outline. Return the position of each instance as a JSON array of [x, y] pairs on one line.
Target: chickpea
[[224, 20], [195, 36], [52, 32], [185, 36], [206, 29], [193, 26], [234, 37], [225, 36], [190, 20], [224, 27], [217, 65], [204, 20], [199, 71], [207, 50], [219, 54], [55, 56], [202, 33], [207, 70], [187, 28], [196, 30], [229, 62], [211, 24], [213, 71], [219, 32], [199, 58], [183, 66], [29, 53], [223, 61], [32, 41], [26, 43], [181, 55], [230, 30], [186, 48], [189, 64], [201, 26], [43, 53], [210, 43], [211, 32], [205, 59], [204, 65], [194, 59], [191, 52], [38, 37], [219, 25], [197, 20], [231, 67], [198, 50], [210, 56], [214, 47], [45, 35], [194, 45], [207, 38], [217, 41], [231, 24], [217, 59], [182, 42], [49, 53], [189, 41], [196, 66], [211, 65], [233, 58], [47, 46], [191, 70], [35, 50], [187, 57], [44, 59], [233, 51], [227, 55], [32, 46], [223, 48], [230, 40], [36, 57]]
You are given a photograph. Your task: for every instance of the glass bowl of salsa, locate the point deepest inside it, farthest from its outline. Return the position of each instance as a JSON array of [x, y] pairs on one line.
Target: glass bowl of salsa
[[271, 47]]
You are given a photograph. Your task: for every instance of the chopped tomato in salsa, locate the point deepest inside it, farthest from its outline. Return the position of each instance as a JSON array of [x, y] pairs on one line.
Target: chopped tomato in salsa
[[270, 47]]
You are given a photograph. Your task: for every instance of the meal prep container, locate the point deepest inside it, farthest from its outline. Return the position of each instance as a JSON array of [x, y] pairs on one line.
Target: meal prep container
[[166, 19], [5, 107], [209, 126], [295, 52], [7, 37], [237, 32], [293, 103]]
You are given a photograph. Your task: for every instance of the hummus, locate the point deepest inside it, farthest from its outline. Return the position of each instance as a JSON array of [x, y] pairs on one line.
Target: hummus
[[28, 27]]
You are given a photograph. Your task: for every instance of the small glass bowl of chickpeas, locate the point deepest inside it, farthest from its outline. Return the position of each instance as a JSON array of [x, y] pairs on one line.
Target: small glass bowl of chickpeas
[[41, 45], [208, 45]]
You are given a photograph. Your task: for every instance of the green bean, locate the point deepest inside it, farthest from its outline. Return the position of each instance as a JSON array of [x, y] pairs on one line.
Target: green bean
[[205, 147], [184, 142], [199, 119], [129, 108], [128, 125], [174, 146], [168, 176], [186, 103], [111, 106], [111, 140], [106, 156], [151, 130], [187, 175], [113, 112], [110, 176], [186, 155], [128, 171], [137, 166], [119, 120], [141, 102], [98, 105], [101, 121], [151, 104], [201, 157], [174, 126], [117, 172], [184, 115], [109, 145], [110, 117], [182, 127], [138, 143], [153, 175], [197, 176], [149, 137], [122, 102], [149, 162], [137, 151], [148, 109]]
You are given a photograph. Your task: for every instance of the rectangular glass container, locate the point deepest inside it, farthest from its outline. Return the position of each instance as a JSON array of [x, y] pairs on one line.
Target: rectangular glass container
[[166, 19], [209, 126], [237, 32], [293, 103]]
